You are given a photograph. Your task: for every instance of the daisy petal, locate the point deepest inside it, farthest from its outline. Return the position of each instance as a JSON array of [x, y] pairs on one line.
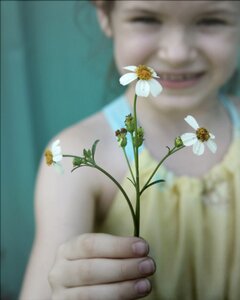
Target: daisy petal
[[154, 74], [142, 88], [198, 148], [211, 135], [57, 158], [55, 144], [155, 87], [192, 122], [212, 146], [56, 150], [130, 68], [188, 139], [127, 78]]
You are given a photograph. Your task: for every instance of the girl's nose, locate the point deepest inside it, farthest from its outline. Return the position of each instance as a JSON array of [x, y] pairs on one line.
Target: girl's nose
[[177, 48]]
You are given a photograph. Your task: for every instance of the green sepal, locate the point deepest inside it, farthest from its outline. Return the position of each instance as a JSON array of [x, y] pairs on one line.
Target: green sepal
[[129, 123], [150, 184], [94, 149], [77, 161], [178, 142], [87, 154]]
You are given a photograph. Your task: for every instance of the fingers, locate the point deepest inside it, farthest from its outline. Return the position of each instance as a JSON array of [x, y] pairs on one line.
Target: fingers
[[103, 245], [100, 271], [124, 290], [101, 266]]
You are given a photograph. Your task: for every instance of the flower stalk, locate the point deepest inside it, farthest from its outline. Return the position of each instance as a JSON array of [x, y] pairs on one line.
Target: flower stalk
[[147, 84], [136, 160]]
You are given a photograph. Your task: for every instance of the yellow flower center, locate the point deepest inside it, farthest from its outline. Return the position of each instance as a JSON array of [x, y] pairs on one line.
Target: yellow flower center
[[143, 72], [49, 157], [202, 134]]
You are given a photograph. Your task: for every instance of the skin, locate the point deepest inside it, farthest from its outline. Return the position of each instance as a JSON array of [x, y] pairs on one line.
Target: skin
[[68, 257]]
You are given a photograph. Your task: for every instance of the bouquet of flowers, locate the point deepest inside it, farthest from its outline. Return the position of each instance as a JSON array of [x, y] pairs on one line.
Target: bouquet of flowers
[[132, 133]]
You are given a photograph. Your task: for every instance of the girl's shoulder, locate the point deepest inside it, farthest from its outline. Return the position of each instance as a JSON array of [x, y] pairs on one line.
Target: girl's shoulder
[[85, 132], [108, 155], [232, 106]]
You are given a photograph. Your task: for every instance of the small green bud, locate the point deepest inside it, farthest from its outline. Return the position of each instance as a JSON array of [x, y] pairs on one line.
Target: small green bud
[[178, 142], [122, 142], [140, 137], [121, 137], [77, 161], [129, 122]]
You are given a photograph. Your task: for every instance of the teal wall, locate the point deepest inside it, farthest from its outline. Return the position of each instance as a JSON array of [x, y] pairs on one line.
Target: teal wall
[[54, 66]]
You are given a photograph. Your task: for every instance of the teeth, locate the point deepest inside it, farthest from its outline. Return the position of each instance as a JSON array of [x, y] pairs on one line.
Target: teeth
[[177, 77]]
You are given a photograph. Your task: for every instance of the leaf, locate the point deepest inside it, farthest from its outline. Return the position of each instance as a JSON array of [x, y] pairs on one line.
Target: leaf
[[75, 168], [131, 181], [89, 154], [85, 153], [150, 184], [168, 149], [94, 146]]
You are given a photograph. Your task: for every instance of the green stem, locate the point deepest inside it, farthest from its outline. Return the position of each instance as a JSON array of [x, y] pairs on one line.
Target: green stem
[[133, 147], [170, 152], [129, 166], [136, 159], [121, 189], [117, 184]]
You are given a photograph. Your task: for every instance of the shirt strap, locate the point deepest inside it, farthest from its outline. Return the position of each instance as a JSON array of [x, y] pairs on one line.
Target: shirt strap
[[233, 113]]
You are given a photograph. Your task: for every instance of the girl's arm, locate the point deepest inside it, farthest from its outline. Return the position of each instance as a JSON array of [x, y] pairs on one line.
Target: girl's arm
[[64, 208], [67, 260]]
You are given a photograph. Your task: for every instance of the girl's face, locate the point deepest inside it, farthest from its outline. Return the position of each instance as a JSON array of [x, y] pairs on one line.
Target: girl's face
[[192, 45]]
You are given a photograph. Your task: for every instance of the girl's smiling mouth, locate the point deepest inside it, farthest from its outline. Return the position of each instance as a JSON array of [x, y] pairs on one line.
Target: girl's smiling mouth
[[180, 80]]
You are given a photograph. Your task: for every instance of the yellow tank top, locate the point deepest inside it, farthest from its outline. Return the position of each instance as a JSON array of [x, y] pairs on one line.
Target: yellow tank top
[[192, 226]]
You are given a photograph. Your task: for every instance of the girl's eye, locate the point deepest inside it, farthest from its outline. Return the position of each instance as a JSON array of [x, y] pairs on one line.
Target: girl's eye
[[211, 22], [146, 20]]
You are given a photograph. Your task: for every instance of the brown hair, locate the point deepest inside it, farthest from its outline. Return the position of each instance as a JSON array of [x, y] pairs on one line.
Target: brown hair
[[112, 87], [105, 5]]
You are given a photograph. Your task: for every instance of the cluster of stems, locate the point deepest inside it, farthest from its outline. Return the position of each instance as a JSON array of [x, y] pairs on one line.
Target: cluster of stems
[[136, 133]]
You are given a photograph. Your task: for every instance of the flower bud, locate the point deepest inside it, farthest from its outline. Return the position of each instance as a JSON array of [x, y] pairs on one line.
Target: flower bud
[[77, 161], [121, 137], [178, 142], [138, 140], [129, 122]]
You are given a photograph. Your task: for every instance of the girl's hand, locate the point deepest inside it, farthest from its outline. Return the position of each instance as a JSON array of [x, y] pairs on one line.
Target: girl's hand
[[101, 267]]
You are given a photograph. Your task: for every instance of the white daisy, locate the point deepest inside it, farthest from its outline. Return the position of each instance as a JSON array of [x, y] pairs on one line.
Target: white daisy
[[198, 138], [145, 80], [54, 156]]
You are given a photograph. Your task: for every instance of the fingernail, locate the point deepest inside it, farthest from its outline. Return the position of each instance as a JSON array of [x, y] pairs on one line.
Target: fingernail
[[143, 286], [140, 248], [146, 267]]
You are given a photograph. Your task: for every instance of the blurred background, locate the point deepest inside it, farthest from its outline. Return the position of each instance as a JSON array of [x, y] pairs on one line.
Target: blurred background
[[54, 66], [55, 63]]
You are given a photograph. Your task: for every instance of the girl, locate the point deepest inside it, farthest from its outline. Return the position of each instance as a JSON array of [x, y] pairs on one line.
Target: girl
[[191, 222]]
